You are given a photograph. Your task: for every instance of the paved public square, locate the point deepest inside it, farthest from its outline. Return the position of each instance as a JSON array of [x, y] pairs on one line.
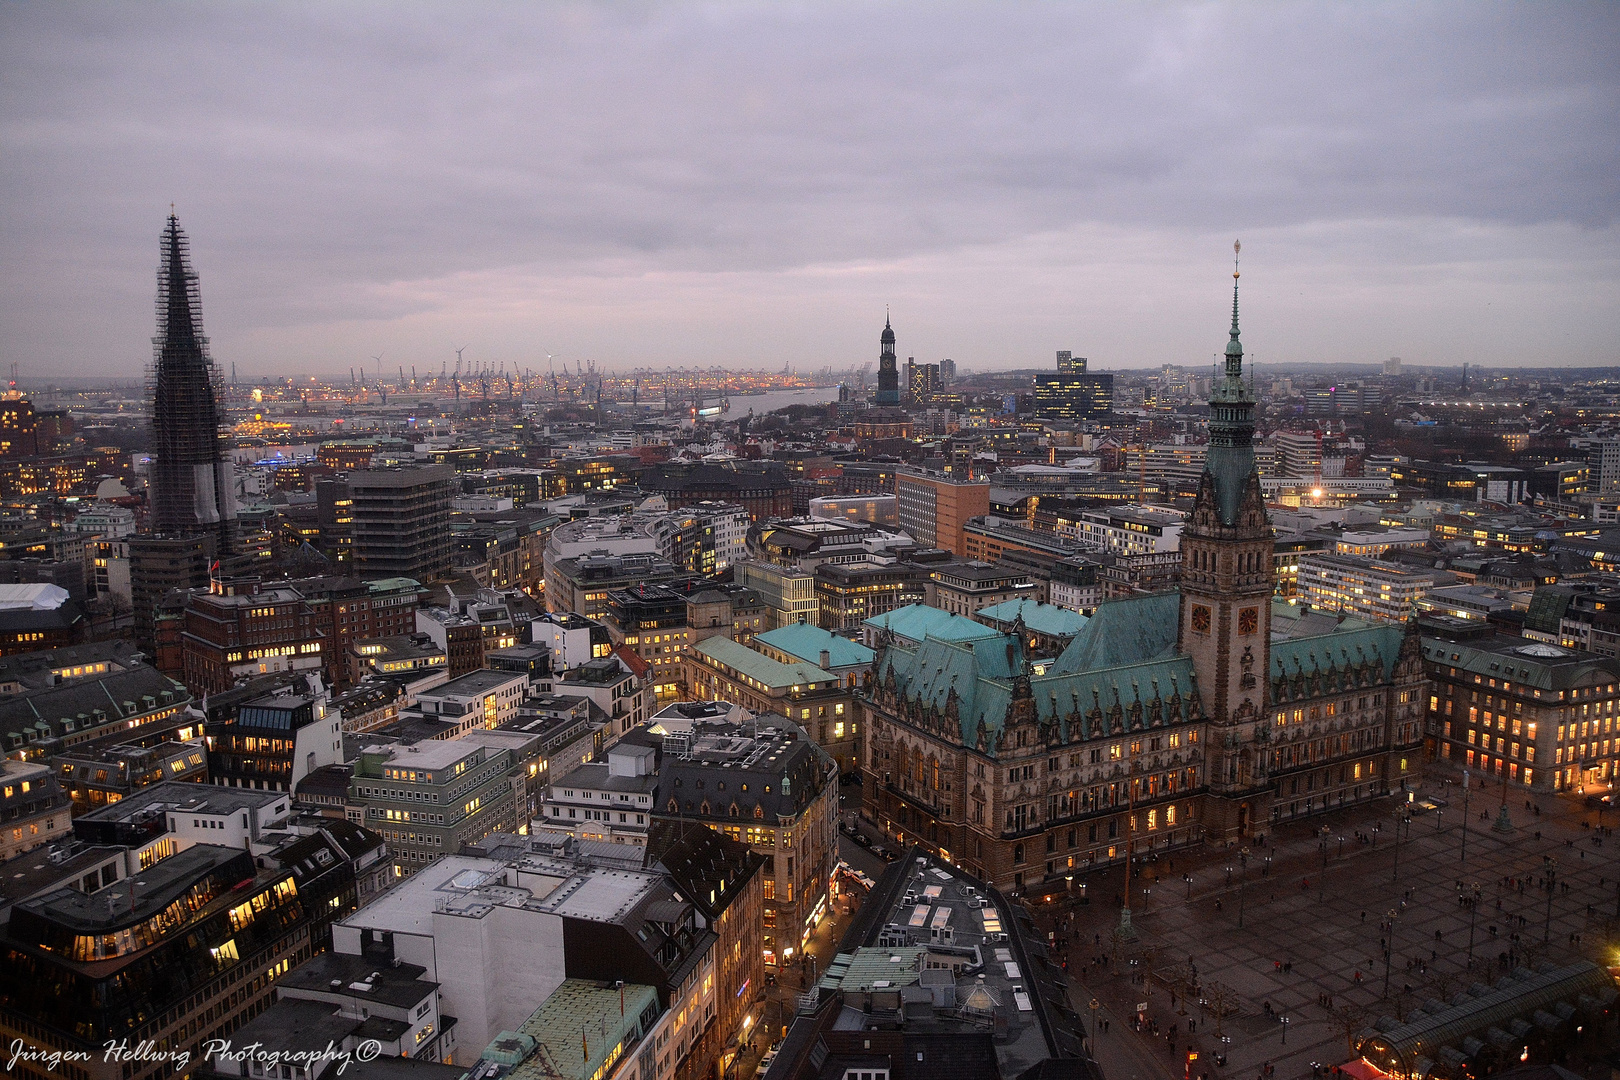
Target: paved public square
[[1305, 938]]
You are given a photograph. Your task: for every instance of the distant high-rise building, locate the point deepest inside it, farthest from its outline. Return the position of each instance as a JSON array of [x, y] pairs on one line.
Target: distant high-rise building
[[888, 386], [1071, 393], [947, 371], [192, 487], [401, 521], [1392, 366], [922, 380], [934, 508]]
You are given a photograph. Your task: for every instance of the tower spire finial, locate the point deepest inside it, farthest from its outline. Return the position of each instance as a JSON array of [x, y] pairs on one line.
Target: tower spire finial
[[1237, 246]]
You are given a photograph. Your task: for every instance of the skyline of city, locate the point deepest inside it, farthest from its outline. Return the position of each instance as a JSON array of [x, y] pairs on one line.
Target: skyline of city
[[770, 180]]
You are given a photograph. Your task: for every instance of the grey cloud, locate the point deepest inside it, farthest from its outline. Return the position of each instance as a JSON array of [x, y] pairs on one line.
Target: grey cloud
[[320, 153]]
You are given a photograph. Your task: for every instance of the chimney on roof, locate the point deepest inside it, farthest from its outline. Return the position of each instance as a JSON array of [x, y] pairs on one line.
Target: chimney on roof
[[826, 660]]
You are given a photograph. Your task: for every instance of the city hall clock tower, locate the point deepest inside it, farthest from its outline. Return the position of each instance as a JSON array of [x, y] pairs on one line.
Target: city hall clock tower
[[1226, 589]]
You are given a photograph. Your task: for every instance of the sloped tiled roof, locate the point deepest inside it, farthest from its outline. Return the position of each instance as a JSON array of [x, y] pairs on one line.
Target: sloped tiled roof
[[807, 643], [758, 666], [1040, 618], [980, 675], [915, 622], [1121, 632], [82, 697]]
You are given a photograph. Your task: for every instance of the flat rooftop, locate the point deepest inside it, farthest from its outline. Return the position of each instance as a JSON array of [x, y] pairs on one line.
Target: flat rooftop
[[472, 887], [434, 754], [187, 798], [942, 952], [399, 984], [473, 683]]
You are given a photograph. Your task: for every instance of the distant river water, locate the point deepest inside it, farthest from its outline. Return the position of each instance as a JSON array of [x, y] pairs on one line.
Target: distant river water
[[772, 400]]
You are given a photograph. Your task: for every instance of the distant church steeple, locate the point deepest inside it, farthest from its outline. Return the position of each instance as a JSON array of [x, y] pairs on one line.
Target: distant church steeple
[[888, 380]]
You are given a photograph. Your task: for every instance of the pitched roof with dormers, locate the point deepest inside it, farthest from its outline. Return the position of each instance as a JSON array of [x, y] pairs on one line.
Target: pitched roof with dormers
[[977, 681]]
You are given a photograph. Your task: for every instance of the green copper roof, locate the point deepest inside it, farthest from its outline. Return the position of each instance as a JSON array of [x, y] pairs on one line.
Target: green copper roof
[[759, 667], [1523, 662], [808, 642], [979, 678], [1128, 631], [1040, 618], [1229, 464], [914, 622], [1376, 642]]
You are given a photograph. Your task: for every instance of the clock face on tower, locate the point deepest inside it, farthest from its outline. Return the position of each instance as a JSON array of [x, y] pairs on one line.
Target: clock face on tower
[[1248, 620], [1200, 619]]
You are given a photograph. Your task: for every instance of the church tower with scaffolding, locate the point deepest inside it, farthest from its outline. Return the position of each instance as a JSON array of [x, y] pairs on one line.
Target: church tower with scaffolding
[[192, 488]]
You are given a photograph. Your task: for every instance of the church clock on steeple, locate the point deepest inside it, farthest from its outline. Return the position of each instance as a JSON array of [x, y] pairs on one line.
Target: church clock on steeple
[[1226, 588]]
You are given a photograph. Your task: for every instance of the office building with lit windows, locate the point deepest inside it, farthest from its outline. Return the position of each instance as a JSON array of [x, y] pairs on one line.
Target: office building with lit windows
[[1071, 392], [1371, 588], [935, 508], [650, 621], [428, 799], [1540, 715], [272, 741], [190, 954]]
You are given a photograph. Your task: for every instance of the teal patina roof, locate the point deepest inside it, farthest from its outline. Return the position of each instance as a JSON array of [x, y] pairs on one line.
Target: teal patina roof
[[914, 622], [1040, 618], [1351, 656], [759, 667], [979, 680], [1121, 632], [1523, 661], [1091, 704], [809, 642]]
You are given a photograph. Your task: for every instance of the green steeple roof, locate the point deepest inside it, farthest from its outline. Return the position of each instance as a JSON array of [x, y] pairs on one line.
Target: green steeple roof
[[1230, 461]]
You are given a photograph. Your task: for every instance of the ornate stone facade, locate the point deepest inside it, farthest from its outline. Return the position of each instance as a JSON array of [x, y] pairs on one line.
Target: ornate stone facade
[[1170, 719]]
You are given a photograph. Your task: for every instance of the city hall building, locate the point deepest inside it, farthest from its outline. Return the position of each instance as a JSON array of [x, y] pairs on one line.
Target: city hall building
[[1171, 718]]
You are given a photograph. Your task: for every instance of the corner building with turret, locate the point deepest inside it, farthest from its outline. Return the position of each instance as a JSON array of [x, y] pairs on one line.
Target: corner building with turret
[[1172, 719]]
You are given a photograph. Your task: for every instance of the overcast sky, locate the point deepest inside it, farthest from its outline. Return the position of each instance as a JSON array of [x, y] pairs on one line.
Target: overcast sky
[[751, 184]]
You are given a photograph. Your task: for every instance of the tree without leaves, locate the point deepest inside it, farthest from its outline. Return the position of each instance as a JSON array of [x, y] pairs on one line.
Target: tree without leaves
[[1223, 1003], [1351, 1019]]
